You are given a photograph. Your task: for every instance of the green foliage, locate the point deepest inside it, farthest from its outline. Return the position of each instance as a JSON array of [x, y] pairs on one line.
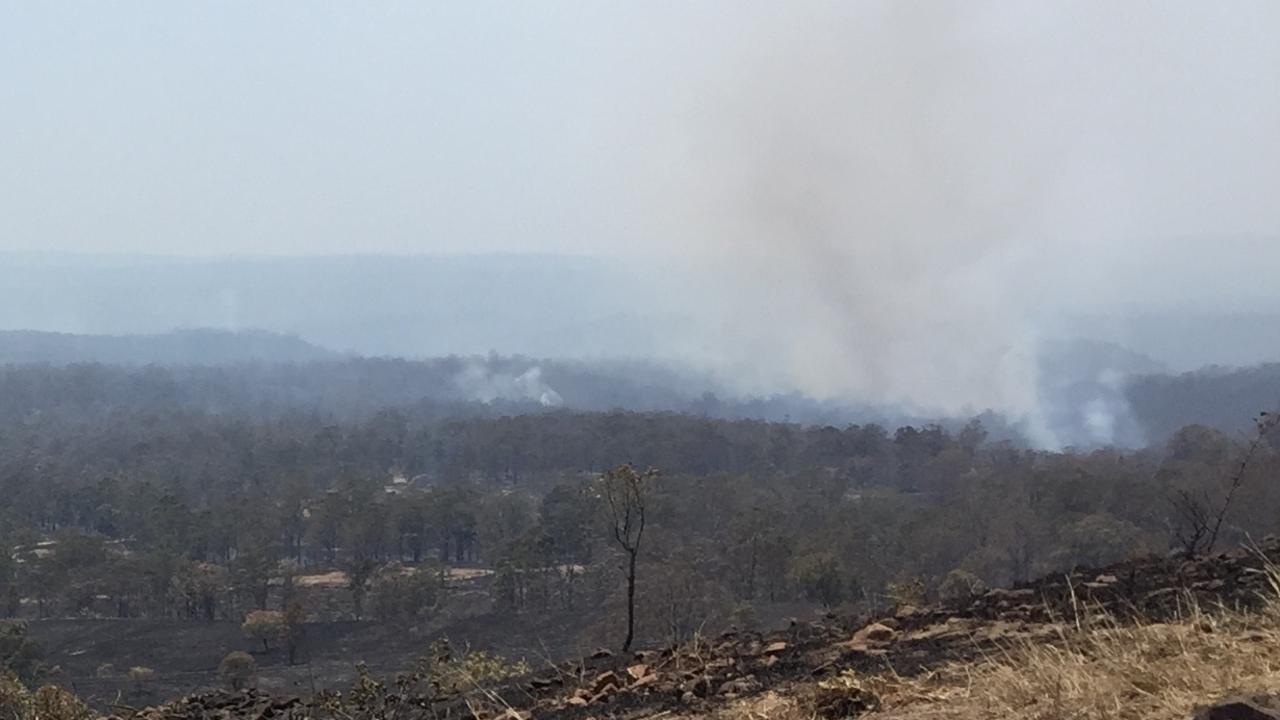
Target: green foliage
[[164, 509], [16, 702], [47, 703], [445, 672], [237, 669], [820, 578], [439, 675], [906, 592], [251, 573], [265, 626], [743, 617], [844, 696], [54, 703], [401, 593], [359, 573], [197, 589], [960, 585], [141, 677], [19, 654], [1096, 538], [295, 619]]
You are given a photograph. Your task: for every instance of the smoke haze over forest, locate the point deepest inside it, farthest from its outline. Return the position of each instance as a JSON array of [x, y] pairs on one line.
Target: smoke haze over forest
[[783, 359], [886, 203]]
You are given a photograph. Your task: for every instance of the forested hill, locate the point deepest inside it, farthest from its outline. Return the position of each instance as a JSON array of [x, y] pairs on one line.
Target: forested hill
[[178, 347], [1224, 398], [262, 375], [355, 389]]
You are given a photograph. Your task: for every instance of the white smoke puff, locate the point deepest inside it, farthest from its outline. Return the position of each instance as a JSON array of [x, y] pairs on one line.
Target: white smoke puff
[[532, 387], [477, 382], [1099, 421]]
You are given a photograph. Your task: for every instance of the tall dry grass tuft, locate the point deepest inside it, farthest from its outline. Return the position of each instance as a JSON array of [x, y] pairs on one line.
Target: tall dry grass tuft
[[1100, 668], [1093, 667]]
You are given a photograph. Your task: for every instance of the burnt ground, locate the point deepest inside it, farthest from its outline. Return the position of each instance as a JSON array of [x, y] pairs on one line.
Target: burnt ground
[[185, 654], [691, 679]]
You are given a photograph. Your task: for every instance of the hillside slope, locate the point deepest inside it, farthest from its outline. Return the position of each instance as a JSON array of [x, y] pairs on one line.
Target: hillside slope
[[1150, 638]]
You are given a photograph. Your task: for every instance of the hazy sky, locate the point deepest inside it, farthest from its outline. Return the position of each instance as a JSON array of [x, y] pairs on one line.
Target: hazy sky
[[291, 127], [890, 200], [331, 127]]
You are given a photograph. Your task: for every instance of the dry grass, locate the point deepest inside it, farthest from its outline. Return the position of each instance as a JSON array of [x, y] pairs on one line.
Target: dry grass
[[1094, 669], [1104, 670], [1099, 669]]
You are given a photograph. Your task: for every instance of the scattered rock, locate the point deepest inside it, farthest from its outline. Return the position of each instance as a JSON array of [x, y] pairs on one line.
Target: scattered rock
[[543, 683], [875, 633], [843, 697], [905, 612], [605, 682], [741, 686]]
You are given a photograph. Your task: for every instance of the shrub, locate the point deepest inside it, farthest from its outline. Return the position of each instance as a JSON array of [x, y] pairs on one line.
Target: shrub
[[400, 595], [906, 592], [843, 696], [449, 673], [264, 626], [820, 577], [743, 616], [54, 703], [15, 700], [960, 585], [140, 677], [20, 654], [237, 669]]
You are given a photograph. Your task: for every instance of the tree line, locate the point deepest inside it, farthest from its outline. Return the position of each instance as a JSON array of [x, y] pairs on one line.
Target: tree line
[[156, 509]]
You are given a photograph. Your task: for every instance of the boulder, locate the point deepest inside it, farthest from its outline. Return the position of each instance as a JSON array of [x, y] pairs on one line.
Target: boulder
[[875, 636]]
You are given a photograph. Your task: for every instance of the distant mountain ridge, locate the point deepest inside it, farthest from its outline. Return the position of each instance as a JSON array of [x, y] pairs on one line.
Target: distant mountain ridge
[[402, 306], [1092, 393], [200, 346]]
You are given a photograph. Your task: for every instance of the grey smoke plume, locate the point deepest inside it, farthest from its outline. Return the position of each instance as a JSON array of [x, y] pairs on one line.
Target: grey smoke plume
[[898, 200]]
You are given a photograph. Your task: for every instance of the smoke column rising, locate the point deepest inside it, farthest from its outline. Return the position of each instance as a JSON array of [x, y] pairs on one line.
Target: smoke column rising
[[893, 200]]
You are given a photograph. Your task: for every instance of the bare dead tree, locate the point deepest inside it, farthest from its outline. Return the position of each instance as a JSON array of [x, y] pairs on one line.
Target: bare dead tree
[[1195, 518], [1265, 423], [626, 491], [1201, 524]]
